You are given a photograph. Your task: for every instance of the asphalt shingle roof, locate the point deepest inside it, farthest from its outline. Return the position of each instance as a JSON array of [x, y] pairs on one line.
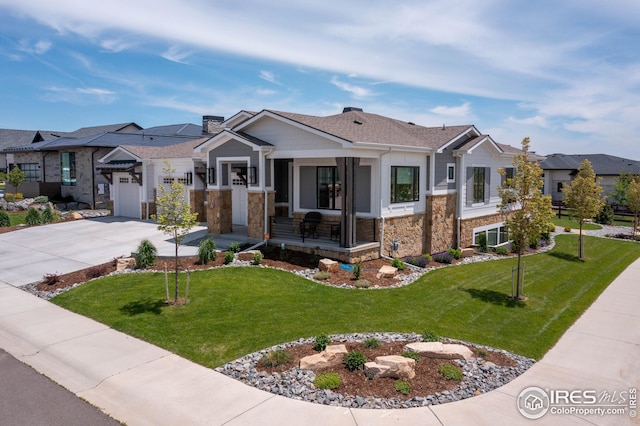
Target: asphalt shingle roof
[[603, 164]]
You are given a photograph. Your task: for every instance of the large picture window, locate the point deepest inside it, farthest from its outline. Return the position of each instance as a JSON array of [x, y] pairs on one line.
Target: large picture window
[[478, 184], [405, 184], [328, 188], [31, 171], [68, 167]]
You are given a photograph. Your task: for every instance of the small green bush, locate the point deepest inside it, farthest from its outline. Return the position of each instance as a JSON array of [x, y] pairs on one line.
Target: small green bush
[[229, 256], [354, 360], [48, 215], [33, 217], [567, 228], [481, 352], [363, 284], [257, 258], [397, 263], [413, 355], [450, 372], [427, 256], [402, 387], [234, 247], [430, 336], [5, 220], [455, 252], [275, 359], [207, 251], [321, 342], [482, 242], [501, 250], [371, 343], [357, 270], [605, 216], [146, 255], [322, 275], [327, 381], [41, 199]]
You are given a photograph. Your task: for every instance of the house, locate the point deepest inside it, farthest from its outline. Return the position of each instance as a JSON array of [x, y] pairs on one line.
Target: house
[[560, 169], [67, 166], [11, 138], [382, 186]]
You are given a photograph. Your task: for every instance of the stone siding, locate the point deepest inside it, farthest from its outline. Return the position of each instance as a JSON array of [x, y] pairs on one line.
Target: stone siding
[[440, 229], [219, 214], [408, 231], [467, 226], [196, 200], [87, 178], [255, 217]]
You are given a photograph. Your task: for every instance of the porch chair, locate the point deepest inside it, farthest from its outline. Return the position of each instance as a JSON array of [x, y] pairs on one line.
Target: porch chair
[[309, 225]]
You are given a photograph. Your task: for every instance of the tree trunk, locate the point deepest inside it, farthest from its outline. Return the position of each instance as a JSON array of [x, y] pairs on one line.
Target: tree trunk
[[518, 272], [580, 249], [176, 259]]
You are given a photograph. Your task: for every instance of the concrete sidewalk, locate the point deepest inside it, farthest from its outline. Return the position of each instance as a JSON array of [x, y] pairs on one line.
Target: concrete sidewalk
[[141, 384]]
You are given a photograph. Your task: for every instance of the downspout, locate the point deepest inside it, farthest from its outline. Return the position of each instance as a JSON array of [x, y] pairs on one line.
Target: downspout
[[381, 216], [459, 184], [93, 180]]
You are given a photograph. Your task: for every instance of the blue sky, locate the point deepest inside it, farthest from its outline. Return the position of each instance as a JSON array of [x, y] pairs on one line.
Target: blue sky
[[565, 73]]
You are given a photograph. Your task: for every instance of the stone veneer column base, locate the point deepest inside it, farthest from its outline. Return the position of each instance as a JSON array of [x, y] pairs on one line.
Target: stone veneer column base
[[219, 214], [255, 217], [440, 229], [408, 231]]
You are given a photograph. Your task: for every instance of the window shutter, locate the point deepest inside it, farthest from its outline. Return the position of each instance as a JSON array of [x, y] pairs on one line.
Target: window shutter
[[469, 186], [487, 184]]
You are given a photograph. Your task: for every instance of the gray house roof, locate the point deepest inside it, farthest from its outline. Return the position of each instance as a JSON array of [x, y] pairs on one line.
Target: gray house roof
[[94, 130], [11, 137], [603, 164]]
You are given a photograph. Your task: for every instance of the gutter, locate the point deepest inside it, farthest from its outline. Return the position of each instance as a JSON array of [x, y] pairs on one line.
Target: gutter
[[381, 217], [93, 180]]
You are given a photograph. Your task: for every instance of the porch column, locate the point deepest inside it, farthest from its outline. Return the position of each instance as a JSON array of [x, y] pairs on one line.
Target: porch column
[[347, 171]]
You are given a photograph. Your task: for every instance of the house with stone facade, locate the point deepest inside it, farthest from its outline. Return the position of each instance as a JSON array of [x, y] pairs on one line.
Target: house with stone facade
[[382, 187]]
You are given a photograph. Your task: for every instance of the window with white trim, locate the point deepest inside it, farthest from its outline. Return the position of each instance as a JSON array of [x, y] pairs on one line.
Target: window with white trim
[[405, 184], [451, 172]]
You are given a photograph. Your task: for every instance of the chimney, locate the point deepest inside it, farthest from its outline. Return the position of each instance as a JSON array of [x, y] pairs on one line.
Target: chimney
[[211, 123], [350, 109]]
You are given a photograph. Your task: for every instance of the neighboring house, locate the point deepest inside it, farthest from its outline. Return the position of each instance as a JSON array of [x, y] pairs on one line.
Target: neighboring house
[[68, 164], [14, 138], [382, 186], [560, 169]]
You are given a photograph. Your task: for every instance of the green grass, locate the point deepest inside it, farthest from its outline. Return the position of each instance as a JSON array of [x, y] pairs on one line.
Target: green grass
[[573, 224], [17, 218], [236, 311]]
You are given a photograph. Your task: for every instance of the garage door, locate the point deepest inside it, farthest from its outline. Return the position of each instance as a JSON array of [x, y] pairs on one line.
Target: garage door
[[127, 197]]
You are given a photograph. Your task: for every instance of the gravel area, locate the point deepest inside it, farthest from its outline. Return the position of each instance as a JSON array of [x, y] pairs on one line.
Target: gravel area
[[479, 376]]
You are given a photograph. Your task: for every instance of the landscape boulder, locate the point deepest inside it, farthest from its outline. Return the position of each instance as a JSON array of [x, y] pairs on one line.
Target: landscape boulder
[[125, 263], [394, 366], [247, 255], [331, 356], [328, 265], [387, 271], [440, 350]]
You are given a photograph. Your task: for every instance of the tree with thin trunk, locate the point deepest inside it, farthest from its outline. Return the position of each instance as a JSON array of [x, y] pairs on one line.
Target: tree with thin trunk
[[583, 195], [174, 214], [633, 202], [621, 188], [527, 211], [15, 178]]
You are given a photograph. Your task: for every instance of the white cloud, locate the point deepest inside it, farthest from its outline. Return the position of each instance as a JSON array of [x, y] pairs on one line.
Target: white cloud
[[116, 45], [357, 92], [461, 111], [268, 76], [266, 92], [538, 120], [38, 48], [175, 54], [80, 95]]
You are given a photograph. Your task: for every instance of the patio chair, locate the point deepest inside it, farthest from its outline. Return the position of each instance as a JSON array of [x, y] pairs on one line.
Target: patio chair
[[309, 225]]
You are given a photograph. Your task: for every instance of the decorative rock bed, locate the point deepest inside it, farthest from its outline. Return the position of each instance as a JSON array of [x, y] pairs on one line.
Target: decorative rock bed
[[479, 376]]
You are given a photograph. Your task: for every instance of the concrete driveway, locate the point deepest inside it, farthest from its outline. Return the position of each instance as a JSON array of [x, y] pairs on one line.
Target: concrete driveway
[[28, 254]]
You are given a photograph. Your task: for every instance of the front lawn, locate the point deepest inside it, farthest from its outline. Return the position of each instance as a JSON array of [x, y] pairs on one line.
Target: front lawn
[[573, 224], [17, 218], [236, 311]]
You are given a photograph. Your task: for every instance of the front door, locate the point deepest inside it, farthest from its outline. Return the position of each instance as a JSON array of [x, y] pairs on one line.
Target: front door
[[239, 204]]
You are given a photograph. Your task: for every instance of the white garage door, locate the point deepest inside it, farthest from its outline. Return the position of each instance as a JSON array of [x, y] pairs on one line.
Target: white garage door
[[127, 199]]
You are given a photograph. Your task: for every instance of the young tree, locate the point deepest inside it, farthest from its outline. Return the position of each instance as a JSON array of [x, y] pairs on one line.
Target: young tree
[[174, 215], [15, 178], [633, 202], [584, 196], [528, 211], [621, 188]]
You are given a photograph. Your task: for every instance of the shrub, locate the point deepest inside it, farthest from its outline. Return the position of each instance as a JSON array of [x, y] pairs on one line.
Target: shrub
[[321, 342], [371, 343], [397, 263], [605, 216], [363, 283], [96, 271], [257, 258], [501, 250], [5, 220], [482, 242], [327, 381], [567, 228], [146, 255], [450, 372], [444, 257], [481, 352], [427, 256], [275, 359], [430, 336], [33, 217], [48, 215], [234, 247], [51, 279], [419, 261], [229, 256], [455, 252], [354, 360], [9, 197], [321, 276], [357, 270], [207, 251], [413, 355], [41, 199], [402, 387]]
